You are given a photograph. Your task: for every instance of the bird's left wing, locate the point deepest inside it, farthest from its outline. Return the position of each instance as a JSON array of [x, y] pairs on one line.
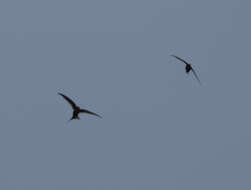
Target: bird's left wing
[[73, 105], [182, 60]]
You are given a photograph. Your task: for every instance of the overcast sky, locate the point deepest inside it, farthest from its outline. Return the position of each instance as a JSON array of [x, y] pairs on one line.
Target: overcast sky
[[160, 129]]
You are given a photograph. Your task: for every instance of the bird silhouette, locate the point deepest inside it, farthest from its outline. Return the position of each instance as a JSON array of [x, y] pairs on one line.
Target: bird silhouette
[[76, 109], [188, 67]]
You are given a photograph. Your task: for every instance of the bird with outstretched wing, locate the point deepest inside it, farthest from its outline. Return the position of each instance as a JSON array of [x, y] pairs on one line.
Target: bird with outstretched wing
[[188, 67], [76, 109]]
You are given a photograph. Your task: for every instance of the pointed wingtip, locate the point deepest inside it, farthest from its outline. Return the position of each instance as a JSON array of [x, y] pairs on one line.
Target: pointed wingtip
[[99, 116], [196, 76]]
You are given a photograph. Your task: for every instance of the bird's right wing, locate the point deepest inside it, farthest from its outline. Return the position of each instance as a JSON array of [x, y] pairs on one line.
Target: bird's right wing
[[196, 76], [180, 59], [89, 112], [73, 105]]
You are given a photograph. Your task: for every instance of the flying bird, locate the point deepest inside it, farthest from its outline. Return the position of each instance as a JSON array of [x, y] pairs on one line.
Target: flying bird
[[188, 67], [76, 109]]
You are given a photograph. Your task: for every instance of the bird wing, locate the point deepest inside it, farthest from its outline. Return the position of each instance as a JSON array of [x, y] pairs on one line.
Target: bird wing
[[180, 59], [196, 76], [89, 112], [73, 105]]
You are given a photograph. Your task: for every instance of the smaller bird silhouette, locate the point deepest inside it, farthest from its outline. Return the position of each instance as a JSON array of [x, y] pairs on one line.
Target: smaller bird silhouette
[[188, 67], [76, 109]]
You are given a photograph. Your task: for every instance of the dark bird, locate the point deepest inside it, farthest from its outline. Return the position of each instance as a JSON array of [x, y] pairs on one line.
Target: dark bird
[[76, 109], [188, 67]]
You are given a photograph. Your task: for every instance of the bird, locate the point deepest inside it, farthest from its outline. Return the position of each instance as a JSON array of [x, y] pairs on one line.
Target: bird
[[76, 109], [188, 67]]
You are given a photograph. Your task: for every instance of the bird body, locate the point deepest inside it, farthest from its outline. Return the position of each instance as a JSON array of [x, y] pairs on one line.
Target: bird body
[[75, 114], [188, 67], [76, 109]]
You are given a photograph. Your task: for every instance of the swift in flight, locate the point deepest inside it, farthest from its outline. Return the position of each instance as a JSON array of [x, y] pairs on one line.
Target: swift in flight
[[76, 109], [188, 67]]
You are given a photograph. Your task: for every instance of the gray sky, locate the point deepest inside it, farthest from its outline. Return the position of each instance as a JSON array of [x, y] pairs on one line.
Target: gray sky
[[160, 129]]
